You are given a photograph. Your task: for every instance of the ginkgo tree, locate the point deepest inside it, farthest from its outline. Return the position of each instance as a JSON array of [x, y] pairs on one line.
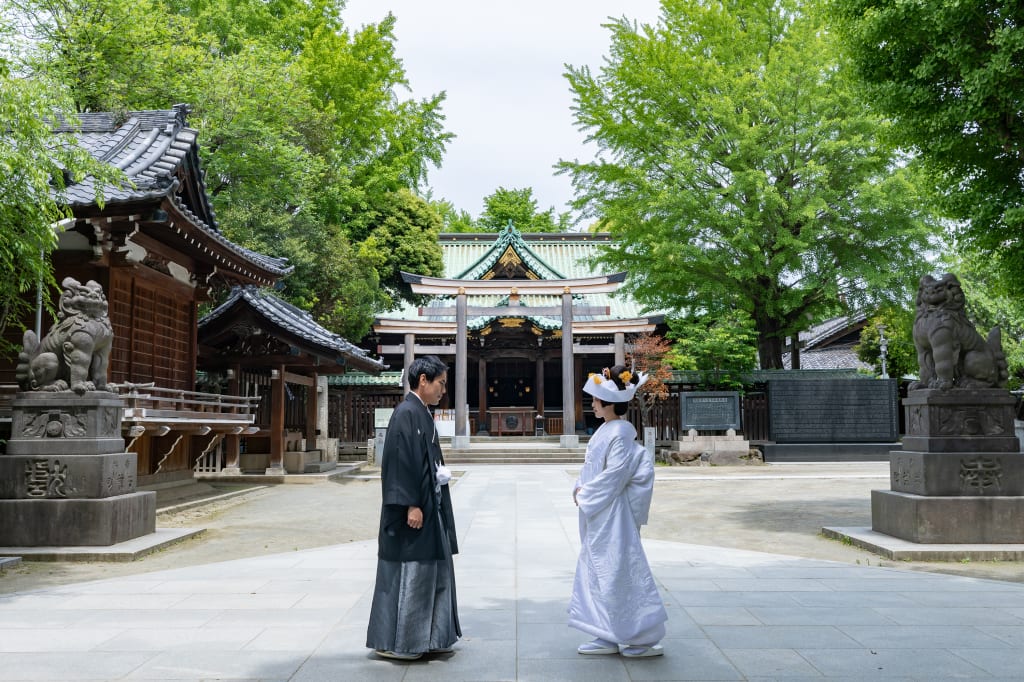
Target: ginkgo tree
[[737, 170]]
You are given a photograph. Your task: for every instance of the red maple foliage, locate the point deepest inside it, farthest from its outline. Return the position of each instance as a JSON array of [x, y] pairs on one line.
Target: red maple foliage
[[647, 354]]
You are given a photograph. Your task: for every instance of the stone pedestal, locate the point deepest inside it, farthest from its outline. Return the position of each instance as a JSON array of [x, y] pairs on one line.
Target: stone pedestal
[[716, 450], [65, 423], [66, 480], [960, 476], [960, 421]]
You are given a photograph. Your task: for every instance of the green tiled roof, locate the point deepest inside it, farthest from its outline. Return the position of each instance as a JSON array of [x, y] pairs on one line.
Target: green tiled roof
[[386, 379], [549, 256]]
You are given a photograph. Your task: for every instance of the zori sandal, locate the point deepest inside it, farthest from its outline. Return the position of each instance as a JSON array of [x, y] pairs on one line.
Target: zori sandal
[[597, 647], [642, 651]]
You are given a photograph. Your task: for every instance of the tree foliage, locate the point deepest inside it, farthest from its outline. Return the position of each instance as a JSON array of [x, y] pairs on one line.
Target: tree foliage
[[454, 219], [402, 226], [519, 207], [737, 169], [988, 305], [721, 348], [34, 170], [649, 354], [951, 76], [307, 138], [112, 55], [900, 355]]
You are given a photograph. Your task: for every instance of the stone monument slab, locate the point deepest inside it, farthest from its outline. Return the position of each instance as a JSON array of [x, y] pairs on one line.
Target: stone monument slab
[[710, 410], [833, 410]]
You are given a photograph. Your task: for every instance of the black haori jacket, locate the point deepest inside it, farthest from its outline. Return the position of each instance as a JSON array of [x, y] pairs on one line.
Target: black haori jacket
[[407, 471]]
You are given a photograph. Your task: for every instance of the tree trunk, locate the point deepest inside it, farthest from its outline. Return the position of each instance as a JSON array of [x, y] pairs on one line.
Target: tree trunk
[[769, 349]]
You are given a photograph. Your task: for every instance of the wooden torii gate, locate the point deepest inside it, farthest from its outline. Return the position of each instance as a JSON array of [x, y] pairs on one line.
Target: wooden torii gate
[[461, 289]]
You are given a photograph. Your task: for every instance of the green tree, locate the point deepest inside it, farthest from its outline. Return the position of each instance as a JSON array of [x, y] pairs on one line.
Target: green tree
[[304, 131], [951, 76], [737, 170], [34, 170], [519, 207], [721, 348], [112, 55], [403, 235], [900, 354], [988, 305], [453, 219]]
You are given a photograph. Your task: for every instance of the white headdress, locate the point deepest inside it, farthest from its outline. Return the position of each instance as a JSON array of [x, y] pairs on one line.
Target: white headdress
[[605, 389]]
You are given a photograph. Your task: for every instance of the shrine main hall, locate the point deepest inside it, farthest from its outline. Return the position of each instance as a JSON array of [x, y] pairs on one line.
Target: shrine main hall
[[521, 320]]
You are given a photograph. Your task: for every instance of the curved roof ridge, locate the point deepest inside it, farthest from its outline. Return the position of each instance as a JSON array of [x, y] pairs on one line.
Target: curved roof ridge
[[510, 237], [295, 321]]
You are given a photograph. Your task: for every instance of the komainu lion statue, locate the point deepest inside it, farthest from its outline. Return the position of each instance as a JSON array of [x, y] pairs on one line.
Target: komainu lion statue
[[950, 351], [73, 356]]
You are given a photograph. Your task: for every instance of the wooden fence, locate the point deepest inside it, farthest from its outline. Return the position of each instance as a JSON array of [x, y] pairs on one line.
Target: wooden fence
[[350, 416], [665, 416]]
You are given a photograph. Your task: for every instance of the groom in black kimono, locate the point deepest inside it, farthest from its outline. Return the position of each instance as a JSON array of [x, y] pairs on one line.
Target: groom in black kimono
[[414, 610]]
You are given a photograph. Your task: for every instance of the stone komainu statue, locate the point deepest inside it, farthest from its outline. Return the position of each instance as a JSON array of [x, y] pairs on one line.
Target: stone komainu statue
[[950, 351], [74, 355]]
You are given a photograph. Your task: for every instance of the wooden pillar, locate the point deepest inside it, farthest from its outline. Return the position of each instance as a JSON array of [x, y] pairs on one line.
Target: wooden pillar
[[276, 467], [312, 413], [539, 384], [578, 368], [232, 441], [568, 375], [620, 348], [461, 417], [482, 394], [408, 350]]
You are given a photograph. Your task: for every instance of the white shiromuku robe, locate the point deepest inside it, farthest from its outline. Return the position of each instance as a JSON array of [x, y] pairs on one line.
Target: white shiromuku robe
[[614, 596]]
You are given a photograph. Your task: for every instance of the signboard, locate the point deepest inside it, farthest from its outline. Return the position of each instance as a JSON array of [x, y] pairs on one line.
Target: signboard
[[381, 417], [710, 410], [833, 411]]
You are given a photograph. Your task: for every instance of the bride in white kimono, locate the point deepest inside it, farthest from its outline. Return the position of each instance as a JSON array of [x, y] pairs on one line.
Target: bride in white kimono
[[614, 597]]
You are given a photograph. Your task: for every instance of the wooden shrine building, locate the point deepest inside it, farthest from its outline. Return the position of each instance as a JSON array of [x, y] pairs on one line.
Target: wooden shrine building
[[156, 249], [521, 319], [264, 346]]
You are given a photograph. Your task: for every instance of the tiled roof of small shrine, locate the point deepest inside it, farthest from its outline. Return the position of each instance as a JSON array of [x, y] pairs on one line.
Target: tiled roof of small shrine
[[542, 256], [830, 344], [382, 380], [296, 322], [150, 147]]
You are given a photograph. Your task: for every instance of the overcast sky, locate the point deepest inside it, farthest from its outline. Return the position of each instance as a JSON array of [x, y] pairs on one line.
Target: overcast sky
[[501, 65]]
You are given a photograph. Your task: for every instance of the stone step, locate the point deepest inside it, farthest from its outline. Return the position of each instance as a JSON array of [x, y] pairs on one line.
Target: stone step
[[514, 460], [513, 454], [517, 454]]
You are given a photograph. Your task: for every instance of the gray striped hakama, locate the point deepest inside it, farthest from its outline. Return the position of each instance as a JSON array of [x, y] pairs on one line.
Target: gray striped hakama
[[414, 609]]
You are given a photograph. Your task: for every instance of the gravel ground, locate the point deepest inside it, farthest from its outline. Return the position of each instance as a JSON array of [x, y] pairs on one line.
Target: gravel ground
[[774, 508]]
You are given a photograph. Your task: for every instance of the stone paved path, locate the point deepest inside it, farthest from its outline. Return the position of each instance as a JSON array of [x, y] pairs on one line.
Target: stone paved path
[[734, 614]]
